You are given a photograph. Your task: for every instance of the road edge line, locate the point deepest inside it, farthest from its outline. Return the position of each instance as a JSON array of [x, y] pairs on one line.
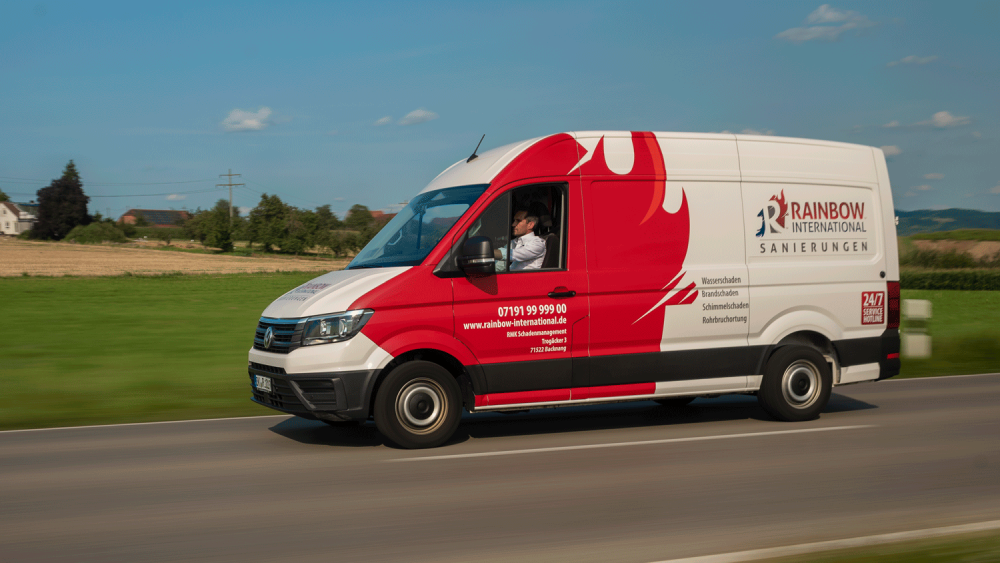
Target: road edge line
[[863, 541]]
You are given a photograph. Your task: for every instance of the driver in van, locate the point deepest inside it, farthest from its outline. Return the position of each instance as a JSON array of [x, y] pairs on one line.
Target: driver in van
[[527, 251]]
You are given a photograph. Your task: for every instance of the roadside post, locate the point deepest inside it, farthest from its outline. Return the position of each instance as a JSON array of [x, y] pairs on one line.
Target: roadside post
[[916, 341]]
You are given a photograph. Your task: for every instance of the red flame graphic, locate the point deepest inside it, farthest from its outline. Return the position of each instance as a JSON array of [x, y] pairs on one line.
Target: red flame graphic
[[782, 208]]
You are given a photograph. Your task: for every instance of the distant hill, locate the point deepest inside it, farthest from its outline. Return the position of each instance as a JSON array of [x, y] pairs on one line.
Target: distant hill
[[928, 221]]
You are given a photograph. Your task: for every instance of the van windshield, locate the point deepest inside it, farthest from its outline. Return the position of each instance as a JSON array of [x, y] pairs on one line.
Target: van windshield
[[417, 229]]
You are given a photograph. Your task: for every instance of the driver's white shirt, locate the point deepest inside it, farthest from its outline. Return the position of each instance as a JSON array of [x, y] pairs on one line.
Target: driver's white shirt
[[527, 252]]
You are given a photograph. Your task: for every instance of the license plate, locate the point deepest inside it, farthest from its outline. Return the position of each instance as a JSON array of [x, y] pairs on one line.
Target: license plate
[[263, 383]]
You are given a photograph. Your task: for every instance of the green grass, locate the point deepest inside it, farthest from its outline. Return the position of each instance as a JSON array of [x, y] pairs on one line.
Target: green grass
[[965, 332], [960, 234], [980, 547], [79, 351]]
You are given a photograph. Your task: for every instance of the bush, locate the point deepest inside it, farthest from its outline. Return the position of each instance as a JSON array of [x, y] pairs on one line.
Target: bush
[[933, 259], [96, 233], [965, 280], [960, 234]]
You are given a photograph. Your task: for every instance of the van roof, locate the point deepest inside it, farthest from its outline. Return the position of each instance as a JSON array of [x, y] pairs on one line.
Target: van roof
[[759, 158]]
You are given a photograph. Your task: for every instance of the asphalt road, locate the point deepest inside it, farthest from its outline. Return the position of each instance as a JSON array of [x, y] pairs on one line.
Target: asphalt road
[[714, 477]]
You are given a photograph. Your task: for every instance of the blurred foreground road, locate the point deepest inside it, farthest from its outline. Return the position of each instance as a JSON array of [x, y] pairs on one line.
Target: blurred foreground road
[[915, 454]]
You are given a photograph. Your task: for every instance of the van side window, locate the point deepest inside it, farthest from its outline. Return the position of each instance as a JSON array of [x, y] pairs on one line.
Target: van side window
[[527, 226]]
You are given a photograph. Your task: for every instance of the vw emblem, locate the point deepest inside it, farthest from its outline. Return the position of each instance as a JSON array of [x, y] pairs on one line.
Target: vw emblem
[[268, 337]]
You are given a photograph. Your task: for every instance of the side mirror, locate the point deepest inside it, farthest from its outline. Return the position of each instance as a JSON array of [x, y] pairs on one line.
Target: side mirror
[[477, 257]]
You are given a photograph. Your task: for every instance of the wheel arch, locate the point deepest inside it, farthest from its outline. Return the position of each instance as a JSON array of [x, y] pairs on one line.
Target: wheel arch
[[811, 338], [449, 362]]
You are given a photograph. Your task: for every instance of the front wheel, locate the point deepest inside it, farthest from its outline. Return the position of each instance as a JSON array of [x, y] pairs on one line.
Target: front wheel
[[418, 405], [797, 383]]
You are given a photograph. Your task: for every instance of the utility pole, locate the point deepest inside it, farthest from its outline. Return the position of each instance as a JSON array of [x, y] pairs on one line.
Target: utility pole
[[230, 185]]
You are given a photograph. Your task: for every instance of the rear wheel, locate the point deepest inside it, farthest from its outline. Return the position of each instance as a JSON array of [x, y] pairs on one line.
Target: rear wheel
[[796, 385], [418, 405]]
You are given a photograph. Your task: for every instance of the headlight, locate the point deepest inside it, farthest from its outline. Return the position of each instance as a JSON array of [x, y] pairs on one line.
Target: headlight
[[337, 327]]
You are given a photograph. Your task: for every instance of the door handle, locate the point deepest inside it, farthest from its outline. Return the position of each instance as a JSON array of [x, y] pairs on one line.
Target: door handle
[[561, 292]]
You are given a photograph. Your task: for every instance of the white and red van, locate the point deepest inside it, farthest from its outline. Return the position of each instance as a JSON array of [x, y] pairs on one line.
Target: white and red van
[[675, 265]]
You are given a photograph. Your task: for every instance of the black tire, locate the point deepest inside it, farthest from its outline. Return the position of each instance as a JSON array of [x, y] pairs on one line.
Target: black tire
[[675, 402], [418, 405], [796, 385]]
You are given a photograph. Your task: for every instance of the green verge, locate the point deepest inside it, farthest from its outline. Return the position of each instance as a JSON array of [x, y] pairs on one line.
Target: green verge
[[965, 333], [78, 351], [980, 547]]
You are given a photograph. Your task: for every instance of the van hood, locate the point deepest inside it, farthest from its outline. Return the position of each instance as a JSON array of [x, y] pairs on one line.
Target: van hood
[[330, 293]]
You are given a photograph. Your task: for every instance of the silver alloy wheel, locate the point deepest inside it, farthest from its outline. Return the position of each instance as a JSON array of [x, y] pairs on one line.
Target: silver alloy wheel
[[800, 384], [420, 406]]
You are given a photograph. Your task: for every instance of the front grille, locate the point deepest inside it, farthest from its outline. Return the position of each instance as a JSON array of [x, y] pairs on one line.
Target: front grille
[[287, 335], [268, 369], [282, 397]]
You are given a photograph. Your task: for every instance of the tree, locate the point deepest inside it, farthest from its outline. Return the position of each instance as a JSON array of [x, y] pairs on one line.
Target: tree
[[268, 222], [218, 231], [358, 218], [61, 206], [3, 197], [326, 219]]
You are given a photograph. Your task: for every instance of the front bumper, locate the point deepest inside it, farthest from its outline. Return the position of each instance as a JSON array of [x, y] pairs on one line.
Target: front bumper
[[340, 395]]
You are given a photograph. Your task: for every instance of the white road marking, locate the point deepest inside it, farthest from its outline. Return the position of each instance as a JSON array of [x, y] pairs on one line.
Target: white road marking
[[623, 444], [142, 423], [864, 541]]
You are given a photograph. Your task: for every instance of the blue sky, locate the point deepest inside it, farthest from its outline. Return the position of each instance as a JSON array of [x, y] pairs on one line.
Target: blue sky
[[343, 103]]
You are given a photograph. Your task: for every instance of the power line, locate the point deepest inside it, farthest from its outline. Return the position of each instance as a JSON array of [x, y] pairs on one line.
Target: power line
[[163, 194], [35, 180], [273, 191], [230, 186]]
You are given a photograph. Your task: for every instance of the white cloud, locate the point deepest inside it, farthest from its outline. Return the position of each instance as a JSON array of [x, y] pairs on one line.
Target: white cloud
[[944, 119], [383, 121], [244, 211], [923, 188], [832, 24], [242, 120], [909, 194], [418, 116], [891, 150], [913, 60], [995, 190], [176, 197], [934, 176], [891, 124], [977, 134]]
